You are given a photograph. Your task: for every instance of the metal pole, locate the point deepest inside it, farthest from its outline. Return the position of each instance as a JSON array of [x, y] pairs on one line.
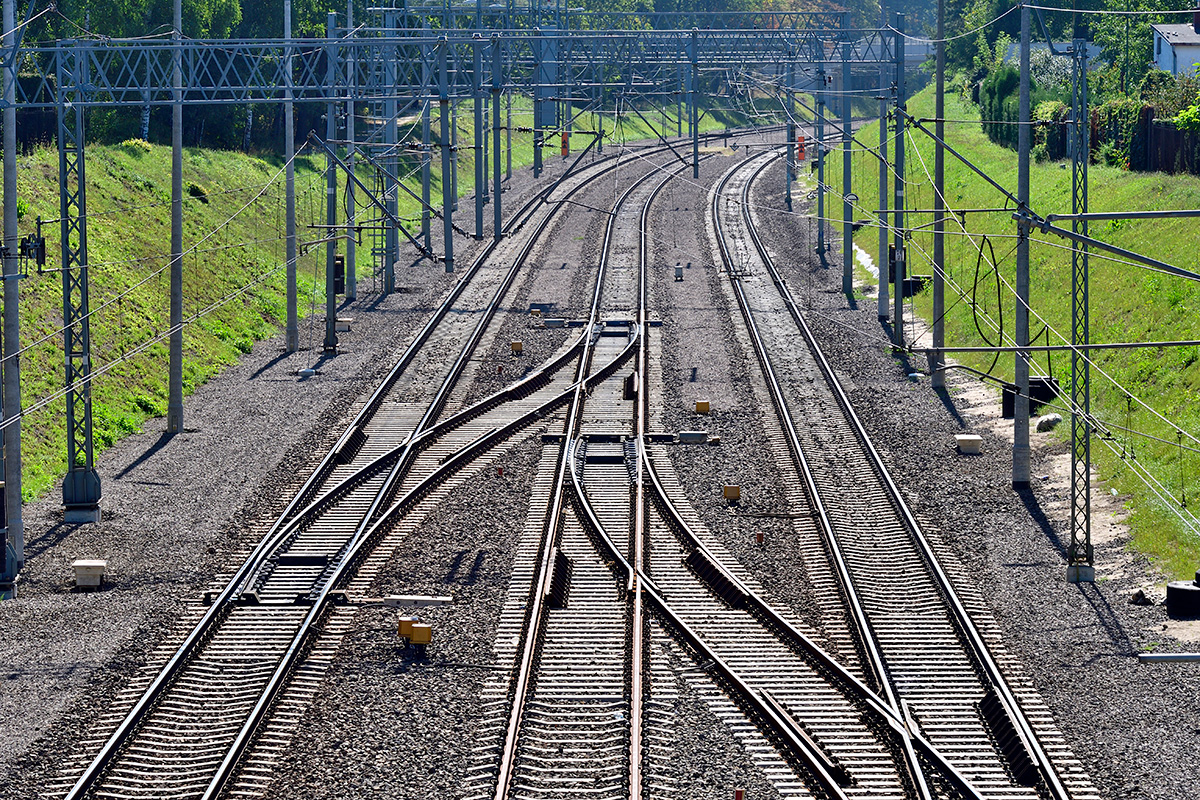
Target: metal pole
[[480, 135], [695, 113], [1080, 558], [1020, 475], [497, 55], [898, 193], [820, 148], [351, 213], [447, 178], [847, 208], [331, 340], [881, 262], [14, 539], [426, 152], [292, 335], [391, 237], [539, 57], [508, 138], [175, 345], [790, 169], [937, 367]]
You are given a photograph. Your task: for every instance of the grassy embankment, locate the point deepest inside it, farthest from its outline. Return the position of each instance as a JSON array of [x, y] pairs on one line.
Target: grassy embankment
[[129, 190], [1127, 304]]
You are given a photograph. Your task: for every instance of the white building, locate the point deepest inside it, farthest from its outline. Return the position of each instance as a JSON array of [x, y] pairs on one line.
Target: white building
[[1177, 47]]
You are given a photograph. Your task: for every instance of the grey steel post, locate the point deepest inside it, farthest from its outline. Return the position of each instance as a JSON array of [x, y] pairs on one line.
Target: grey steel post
[[1020, 475], [820, 154], [81, 484], [351, 212], [292, 334], [175, 347], [426, 152], [1080, 557], [790, 168], [331, 340], [508, 138], [881, 262], [391, 236], [453, 155], [14, 540], [937, 365], [847, 207], [447, 179], [898, 194], [480, 134], [538, 60], [695, 112], [497, 66]]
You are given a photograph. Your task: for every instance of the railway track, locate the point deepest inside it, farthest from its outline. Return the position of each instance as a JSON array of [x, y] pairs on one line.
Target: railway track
[[185, 729], [920, 650]]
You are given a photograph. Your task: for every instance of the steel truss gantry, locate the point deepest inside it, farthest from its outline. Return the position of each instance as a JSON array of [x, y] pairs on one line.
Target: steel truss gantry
[[418, 57]]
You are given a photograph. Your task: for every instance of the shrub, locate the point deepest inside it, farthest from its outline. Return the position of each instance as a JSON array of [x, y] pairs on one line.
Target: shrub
[[197, 191], [135, 146]]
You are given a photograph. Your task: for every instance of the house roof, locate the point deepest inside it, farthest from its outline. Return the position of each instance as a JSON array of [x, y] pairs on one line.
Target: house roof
[[1178, 34]]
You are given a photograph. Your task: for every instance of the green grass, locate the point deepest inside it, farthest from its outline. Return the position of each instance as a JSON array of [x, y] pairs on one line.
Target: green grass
[[1127, 303], [129, 188]]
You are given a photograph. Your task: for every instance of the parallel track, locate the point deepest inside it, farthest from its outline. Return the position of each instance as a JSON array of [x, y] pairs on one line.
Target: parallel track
[[188, 730]]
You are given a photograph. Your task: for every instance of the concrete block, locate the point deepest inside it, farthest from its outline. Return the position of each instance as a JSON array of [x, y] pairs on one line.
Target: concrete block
[[89, 573], [342, 324], [970, 444]]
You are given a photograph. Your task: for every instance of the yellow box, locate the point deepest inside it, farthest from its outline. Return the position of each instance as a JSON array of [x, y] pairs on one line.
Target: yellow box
[[701, 406], [733, 492], [421, 634], [517, 347], [404, 627]]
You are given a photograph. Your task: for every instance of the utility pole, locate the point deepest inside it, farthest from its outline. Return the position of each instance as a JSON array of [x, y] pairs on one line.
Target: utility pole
[[81, 484], [847, 194], [426, 140], [480, 133], [331, 340], [175, 346], [1080, 560], [881, 262], [13, 542], [292, 334], [820, 104], [789, 171], [1020, 475], [391, 236], [937, 369], [447, 177], [695, 113], [898, 193], [351, 213], [497, 55]]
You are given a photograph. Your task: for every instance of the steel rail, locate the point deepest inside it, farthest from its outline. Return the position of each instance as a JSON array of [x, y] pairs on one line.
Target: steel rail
[[399, 470], [798, 744], [535, 613], [864, 633], [959, 614], [221, 604]]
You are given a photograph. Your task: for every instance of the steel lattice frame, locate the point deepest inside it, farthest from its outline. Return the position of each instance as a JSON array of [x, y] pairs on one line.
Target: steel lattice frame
[[1079, 553], [81, 486]]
